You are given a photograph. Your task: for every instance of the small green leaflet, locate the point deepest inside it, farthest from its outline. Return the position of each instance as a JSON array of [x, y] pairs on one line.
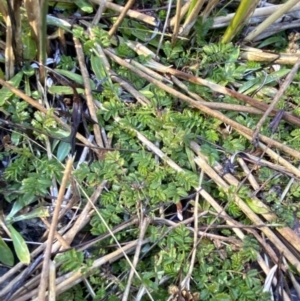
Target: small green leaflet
[[38, 212], [74, 77], [6, 255], [19, 245], [64, 90], [257, 206], [84, 6], [5, 93], [63, 150], [262, 80], [97, 67]]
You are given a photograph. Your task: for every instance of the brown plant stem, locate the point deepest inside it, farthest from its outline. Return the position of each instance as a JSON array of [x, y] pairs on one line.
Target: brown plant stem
[[47, 254]]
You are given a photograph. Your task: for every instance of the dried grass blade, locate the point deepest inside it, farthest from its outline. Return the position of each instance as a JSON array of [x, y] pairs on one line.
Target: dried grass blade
[[271, 19], [36, 105], [249, 213], [130, 13], [88, 92], [277, 97], [203, 107], [258, 55], [45, 270], [215, 173], [194, 10]]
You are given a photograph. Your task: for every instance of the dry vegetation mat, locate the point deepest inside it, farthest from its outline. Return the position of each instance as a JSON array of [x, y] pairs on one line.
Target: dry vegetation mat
[[149, 150]]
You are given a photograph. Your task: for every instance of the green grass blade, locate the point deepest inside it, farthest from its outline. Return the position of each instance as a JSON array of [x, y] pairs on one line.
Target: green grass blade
[[241, 16]]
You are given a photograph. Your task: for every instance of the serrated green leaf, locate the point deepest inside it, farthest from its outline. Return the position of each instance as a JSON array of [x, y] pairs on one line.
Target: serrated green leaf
[[19, 245], [6, 255]]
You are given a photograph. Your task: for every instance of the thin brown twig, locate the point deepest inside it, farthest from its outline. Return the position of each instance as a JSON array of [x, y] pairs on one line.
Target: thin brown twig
[[177, 21], [237, 126], [191, 18], [173, 225], [99, 13], [67, 281], [88, 92], [220, 89], [277, 97], [47, 254], [216, 105], [36, 105], [186, 282], [120, 18], [130, 13], [57, 235], [52, 277], [143, 227], [285, 231], [83, 218]]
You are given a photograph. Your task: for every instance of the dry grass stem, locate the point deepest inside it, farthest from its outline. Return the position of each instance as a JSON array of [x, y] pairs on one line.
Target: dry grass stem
[[139, 48], [258, 14], [258, 55], [220, 89], [186, 282], [99, 13], [47, 254], [143, 228], [88, 93], [191, 18], [120, 18], [279, 94], [163, 32], [216, 105], [249, 213], [276, 28], [184, 9], [9, 52], [271, 19], [130, 89], [67, 281], [52, 278], [248, 174], [286, 232], [130, 13], [176, 21], [82, 219], [33, 103], [33, 15], [237, 126], [209, 7]]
